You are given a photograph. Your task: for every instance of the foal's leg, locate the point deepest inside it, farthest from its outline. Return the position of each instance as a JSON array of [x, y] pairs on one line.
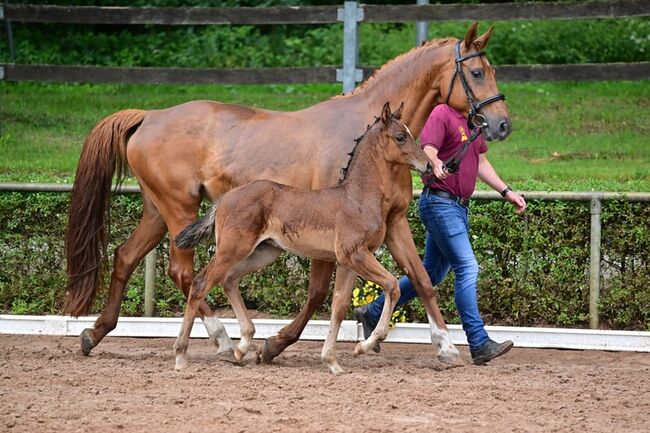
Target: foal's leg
[[340, 302], [364, 263], [200, 288], [263, 255], [181, 271], [319, 282], [402, 247], [144, 238], [227, 265]]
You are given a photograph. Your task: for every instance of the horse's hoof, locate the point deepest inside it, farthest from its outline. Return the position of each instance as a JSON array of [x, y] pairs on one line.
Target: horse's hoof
[[228, 356], [86, 342], [265, 356], [452, 359], [181, 363], [336, 370]]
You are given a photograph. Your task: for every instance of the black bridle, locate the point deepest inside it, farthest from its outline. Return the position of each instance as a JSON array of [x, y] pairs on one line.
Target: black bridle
[[475, 120]]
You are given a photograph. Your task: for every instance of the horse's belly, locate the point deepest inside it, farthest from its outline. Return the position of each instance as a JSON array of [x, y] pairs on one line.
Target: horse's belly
[[315, 244]]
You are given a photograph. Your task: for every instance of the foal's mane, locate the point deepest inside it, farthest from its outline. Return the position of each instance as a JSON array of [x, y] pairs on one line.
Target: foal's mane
[[413, 53], [345, 170]]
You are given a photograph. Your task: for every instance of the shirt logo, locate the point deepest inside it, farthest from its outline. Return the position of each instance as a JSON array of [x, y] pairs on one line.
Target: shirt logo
[[463, 134]]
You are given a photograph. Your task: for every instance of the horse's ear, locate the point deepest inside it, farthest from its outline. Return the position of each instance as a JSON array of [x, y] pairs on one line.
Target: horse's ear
[[398, 114], [470, 36], [385, 113], [482, 41]]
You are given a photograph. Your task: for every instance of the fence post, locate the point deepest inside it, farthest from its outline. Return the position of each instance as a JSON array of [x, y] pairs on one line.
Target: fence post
[[421, 28], [594, 263], [350, 14], [149, 283]]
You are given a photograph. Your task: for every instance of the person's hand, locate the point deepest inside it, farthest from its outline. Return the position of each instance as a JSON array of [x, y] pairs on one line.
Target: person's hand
[[517, 201], [439, 170]]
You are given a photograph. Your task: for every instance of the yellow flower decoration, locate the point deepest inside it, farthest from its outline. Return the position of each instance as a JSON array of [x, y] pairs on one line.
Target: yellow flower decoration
[[371, 291]]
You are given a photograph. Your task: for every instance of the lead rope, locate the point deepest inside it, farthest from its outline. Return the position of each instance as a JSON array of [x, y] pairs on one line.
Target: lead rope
[[452, 164]]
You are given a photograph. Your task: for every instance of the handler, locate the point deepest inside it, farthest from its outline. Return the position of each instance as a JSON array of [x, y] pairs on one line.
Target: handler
[[445, 214]]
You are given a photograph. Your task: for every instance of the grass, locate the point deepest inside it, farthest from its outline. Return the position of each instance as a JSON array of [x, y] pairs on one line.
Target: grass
[[567, 136]]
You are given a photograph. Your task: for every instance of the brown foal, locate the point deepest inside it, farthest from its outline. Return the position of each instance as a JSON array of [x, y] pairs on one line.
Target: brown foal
[[344, 224]]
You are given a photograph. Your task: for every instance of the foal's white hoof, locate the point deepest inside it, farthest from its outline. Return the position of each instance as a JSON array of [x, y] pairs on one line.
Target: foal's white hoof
[[361, 348], [181, 363], [336, 369], [451, 358]]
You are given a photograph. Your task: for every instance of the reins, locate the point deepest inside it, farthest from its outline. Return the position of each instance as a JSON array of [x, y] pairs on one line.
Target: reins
[[475, 121]]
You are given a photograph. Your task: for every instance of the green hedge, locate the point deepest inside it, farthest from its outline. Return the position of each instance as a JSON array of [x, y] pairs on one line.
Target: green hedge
[[534, 268]]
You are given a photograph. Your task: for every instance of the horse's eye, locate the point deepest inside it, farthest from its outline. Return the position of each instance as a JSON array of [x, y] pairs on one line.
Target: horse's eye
[[477, 73], [400, 137]]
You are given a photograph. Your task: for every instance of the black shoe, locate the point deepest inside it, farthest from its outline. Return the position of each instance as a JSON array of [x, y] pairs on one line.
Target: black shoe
[[362, 316], [490, 350]]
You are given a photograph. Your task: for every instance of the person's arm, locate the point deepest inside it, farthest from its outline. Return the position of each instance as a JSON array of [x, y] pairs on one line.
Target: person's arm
[[488, 174], [438, 169]]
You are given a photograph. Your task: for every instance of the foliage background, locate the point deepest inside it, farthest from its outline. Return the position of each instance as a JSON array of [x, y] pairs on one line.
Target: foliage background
[[534, 270]]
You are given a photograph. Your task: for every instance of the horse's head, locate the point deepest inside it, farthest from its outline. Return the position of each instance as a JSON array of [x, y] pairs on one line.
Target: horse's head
[[471, 86], [400, 145]]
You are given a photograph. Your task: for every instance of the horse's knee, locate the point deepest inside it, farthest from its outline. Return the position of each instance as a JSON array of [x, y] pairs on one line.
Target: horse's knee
[[181, 274], [123, 264], [391, 289]]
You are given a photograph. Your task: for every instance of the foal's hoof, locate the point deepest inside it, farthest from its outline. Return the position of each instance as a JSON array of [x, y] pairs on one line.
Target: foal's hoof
[[228, 356], [86, 342], [452, 359]]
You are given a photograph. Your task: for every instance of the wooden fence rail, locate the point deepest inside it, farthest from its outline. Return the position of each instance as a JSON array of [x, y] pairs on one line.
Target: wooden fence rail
[[106, 74], [323, 14]]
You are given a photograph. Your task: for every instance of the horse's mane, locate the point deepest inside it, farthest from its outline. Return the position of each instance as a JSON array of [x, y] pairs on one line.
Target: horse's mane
[[432, 44], [345, 170]]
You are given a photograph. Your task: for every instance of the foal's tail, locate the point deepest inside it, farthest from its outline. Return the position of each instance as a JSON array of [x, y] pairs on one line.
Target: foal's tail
[[103, 155], [200, 230]]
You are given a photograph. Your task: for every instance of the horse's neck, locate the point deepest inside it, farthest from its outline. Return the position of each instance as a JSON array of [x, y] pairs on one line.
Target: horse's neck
[[368, 178], [414, 80]]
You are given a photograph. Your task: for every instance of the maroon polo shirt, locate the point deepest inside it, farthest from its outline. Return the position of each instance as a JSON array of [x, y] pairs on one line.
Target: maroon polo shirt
[[446, 130]]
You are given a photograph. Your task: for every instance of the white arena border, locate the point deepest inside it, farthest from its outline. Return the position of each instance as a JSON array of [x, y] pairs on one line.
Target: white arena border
[[556, 338]]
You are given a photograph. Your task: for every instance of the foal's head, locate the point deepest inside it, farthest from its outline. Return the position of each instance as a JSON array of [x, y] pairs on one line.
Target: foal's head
[[398, 142], [470, 86]]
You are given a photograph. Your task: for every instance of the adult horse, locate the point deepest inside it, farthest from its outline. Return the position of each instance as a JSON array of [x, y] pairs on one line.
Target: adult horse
[[201, 149]]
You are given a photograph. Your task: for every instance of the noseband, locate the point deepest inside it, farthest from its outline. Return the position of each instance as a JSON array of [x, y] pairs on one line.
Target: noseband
[[475, 106], [475, 120]]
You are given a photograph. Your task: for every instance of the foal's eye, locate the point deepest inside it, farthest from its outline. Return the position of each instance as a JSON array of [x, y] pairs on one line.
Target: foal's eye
[[477, 73]]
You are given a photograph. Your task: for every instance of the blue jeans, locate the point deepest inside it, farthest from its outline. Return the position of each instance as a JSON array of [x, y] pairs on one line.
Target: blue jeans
[[447, 246]]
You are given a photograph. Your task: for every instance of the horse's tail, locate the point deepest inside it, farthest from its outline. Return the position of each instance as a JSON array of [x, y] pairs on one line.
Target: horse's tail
[[86, 239], [200, 230]]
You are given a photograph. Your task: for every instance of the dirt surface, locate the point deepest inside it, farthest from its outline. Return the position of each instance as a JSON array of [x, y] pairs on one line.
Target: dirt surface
[[129, 385]]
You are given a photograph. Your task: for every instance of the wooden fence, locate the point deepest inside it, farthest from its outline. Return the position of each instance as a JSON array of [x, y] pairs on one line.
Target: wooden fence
[[312, 15]]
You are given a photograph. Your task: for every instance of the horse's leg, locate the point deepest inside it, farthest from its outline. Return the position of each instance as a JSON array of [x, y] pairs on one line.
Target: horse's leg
[[144, 238], [263, 255], [340, 303], [319, 281], [181, 271], [402, 247], [199, 290], [364, 263], [223, 267]]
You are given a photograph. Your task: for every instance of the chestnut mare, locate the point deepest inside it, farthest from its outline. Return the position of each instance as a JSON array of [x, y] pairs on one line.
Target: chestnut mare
[[202, 149], [344, 224]]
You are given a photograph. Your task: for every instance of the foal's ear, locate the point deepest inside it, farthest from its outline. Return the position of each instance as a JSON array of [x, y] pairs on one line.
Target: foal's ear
[[385, 113], [470, 36], [482, 40], [398, 114]]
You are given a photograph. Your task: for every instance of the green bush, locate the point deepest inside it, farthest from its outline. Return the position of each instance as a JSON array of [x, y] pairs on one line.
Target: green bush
[[534, 268]]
